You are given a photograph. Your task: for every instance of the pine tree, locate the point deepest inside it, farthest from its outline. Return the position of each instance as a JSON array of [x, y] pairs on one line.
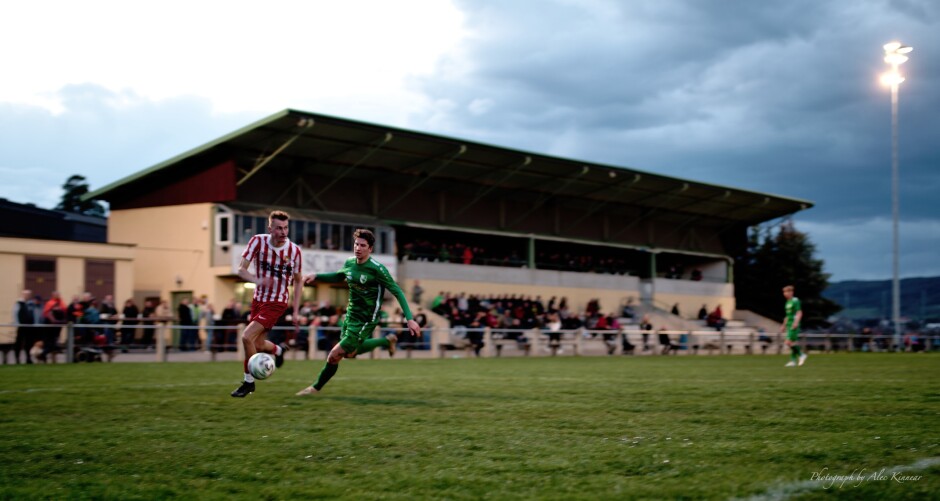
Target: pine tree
[[74, 187], [771, 261]]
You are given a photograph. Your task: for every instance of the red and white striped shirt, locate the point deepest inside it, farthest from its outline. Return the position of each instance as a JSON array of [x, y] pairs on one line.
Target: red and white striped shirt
[[280, 263]]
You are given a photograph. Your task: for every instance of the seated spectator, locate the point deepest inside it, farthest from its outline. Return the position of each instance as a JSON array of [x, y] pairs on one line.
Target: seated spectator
[[697, 274], [666, 343], [703, 312], [646, 327], [675, 309], [715, 320], [553, 328], [627, 311], [627, 346], [613, 327]]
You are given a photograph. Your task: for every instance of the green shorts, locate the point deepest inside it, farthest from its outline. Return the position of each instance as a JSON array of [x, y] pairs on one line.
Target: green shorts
[[793, 334], [354, 334]]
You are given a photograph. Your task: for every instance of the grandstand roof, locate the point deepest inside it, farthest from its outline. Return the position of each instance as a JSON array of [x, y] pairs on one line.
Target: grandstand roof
[[328, 165], [337, 147]]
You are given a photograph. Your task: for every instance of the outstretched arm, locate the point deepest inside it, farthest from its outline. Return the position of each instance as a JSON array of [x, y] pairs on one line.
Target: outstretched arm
[[389, 283]]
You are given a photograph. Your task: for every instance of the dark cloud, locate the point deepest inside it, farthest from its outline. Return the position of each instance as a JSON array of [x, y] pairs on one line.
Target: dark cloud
[[780, 97]]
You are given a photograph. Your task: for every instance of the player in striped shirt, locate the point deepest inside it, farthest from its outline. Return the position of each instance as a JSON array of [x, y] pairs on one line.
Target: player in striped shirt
[[367, 280], [277, 264]]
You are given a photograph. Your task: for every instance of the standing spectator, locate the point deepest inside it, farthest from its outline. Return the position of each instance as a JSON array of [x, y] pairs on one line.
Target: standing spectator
[[74, 309], [416, 292], [206, 317], [553, 326], [231, 317], [665, 342], [646, 327], [55, 316], [467, 255], [108, 314], [185, 314], [150, 311], [162, 310], [25, 313], [129, 325], [613, 326], [422, 321], [90, 316]]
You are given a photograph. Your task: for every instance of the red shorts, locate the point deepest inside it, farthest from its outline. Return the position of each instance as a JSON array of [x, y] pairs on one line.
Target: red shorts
[[266, 313]]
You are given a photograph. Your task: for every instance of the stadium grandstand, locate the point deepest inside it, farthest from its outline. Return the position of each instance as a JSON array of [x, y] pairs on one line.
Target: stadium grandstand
[[451, 214]]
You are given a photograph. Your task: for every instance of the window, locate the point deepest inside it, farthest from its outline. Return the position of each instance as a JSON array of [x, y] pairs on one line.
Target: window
[[223, 229]]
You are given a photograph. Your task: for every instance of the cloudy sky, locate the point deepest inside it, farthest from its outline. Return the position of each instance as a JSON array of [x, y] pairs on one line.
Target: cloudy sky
[[774, 96]]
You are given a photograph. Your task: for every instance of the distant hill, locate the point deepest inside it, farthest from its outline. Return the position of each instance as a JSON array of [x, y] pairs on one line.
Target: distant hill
[[920, 298]]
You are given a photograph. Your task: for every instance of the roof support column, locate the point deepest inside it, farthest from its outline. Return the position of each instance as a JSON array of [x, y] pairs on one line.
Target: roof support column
[[531, 253]]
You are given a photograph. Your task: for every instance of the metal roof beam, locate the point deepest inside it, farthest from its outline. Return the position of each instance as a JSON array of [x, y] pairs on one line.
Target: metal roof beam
[[545, 198], [669, 194], [444, 163], [301, 186], [618, 188], [693, 219], [303, 124], [376, 145], [486, 191]]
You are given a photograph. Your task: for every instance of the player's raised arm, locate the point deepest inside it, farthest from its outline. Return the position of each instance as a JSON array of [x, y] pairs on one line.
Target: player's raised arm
[[389, 283]]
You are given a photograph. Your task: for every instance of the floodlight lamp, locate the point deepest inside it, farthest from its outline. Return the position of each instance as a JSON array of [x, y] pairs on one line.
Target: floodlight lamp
[[895, 58], [891, 78], [892, 46]]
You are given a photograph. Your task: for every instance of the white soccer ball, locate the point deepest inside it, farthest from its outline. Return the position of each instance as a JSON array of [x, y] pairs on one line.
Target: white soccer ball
[[261, 365]]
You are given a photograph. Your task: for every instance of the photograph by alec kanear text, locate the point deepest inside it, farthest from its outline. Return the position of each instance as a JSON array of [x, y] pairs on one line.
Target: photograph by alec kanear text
[[860, 476]]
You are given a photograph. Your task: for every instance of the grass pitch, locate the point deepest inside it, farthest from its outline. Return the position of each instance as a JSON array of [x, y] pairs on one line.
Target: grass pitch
[[520, 428]]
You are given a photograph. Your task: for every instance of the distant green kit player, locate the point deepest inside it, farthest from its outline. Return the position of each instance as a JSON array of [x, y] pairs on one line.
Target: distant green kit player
[[367, 280], [791, 325]]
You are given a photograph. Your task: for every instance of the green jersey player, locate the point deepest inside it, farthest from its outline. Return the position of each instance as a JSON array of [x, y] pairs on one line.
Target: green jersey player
[[791, 326], [367, 280]]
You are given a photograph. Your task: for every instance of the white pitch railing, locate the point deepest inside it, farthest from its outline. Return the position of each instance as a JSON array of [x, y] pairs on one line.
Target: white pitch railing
[[223, 342]]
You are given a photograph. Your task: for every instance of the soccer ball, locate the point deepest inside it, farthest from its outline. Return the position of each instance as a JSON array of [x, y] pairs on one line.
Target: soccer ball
[[261, 365]]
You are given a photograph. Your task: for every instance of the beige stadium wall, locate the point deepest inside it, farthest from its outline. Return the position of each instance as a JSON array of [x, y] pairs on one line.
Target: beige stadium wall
[[70, 269], [12, 266], [690, 304], [174, 247], [691, 295]]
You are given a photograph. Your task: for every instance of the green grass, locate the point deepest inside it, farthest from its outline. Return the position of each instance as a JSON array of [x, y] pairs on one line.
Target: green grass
[[523, 428]]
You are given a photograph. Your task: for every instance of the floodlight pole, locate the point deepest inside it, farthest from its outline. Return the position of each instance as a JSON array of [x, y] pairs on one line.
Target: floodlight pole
[[895, 56], [895, 212]]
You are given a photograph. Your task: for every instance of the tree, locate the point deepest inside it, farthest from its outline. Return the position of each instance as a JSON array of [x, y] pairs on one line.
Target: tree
[[771, 261], [74, 187]]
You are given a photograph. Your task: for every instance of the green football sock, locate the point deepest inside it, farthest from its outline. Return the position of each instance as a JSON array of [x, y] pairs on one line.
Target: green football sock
[[371, 344], [794, 353], [325, 375]]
